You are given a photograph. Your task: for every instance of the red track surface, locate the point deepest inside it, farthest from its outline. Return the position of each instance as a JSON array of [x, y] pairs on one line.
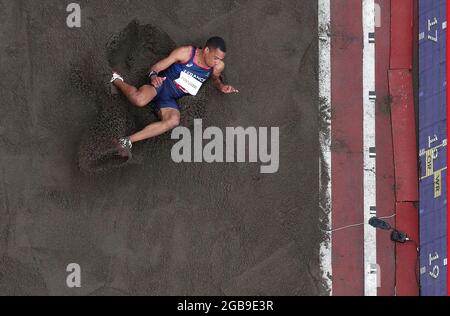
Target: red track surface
[[394, 43], [407, 256], [404, 135], [404, 141], [402, 34], [347, 157]]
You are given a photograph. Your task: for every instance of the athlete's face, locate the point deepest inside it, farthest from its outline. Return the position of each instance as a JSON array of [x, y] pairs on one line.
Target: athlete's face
[[213, 56]]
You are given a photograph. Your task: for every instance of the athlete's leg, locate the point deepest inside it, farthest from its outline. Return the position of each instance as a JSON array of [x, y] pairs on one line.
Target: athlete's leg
[[139, 97], [170, 119]]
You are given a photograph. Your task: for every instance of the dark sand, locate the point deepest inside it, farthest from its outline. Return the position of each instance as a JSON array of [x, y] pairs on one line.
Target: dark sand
[[153, 227]]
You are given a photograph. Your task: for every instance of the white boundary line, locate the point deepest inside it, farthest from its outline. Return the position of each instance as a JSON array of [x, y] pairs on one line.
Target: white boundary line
[[370, 250], [325, 135]]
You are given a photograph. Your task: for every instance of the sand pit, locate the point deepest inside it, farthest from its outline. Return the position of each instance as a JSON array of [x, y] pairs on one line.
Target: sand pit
[[131, 53], [151, 226]]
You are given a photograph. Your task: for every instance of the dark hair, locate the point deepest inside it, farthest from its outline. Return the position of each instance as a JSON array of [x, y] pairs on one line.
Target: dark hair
[[217, 42]]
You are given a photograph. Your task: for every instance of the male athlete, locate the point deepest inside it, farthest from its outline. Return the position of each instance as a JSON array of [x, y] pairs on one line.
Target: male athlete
[[182, 73]]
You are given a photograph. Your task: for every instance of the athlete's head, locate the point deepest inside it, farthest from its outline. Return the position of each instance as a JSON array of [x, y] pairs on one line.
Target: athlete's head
[[215, 50]]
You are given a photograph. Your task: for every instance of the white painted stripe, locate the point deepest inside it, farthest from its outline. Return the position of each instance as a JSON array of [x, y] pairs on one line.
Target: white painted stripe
[[325, 136], [421, 36], [370, 251]]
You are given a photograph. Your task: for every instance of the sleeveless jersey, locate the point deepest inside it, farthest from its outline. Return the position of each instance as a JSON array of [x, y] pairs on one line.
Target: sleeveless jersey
[[188, 77]]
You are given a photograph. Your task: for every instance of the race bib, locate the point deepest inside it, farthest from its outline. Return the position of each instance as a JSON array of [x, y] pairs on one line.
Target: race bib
[[188, 83]]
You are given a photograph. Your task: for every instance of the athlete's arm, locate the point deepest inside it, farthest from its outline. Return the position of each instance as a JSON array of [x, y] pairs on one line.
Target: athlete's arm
[[179, 55], [217, 80]]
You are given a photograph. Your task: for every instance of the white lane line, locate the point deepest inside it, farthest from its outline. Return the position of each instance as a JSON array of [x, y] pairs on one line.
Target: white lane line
[[371, 269], [325, 137]]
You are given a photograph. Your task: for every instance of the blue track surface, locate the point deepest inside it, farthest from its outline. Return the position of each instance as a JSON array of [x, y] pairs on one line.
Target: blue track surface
[[433, 147]]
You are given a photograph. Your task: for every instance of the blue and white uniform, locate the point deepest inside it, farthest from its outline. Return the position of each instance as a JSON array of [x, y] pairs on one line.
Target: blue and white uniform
[[182, 79]]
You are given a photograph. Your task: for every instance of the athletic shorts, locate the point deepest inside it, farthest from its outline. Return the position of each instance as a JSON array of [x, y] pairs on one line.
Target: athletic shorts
[[167, 96]]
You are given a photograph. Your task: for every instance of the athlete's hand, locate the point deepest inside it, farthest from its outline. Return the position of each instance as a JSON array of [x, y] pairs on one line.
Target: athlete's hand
[[229, 89], [158, 81]]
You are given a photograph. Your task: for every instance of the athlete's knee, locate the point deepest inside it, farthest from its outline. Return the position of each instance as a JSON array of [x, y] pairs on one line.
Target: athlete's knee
[[173, 122], [140, 100]]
